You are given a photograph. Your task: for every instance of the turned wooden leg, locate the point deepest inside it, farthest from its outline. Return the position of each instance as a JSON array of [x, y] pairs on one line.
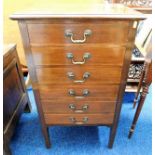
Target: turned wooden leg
[[138, 90], [140, 105]]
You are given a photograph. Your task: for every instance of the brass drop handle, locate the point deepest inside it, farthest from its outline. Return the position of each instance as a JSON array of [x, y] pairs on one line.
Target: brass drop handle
[[86, 56], [71, 76], [73, 120], [83, 109], [85, 93], [69, 33]]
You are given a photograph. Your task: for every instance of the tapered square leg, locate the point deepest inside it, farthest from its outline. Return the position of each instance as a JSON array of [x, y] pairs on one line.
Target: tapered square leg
[[112, 136], [46, 136], [45, 129]]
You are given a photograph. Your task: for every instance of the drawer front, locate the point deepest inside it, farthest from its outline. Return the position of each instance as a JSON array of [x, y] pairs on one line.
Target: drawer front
[[79, 119], [79, 74], [67, 106], [52, 34], [88, 55], [79, 93]]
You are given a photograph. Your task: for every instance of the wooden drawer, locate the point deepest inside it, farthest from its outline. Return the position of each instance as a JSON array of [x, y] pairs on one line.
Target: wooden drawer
[[79, 119], [72, 75], [99, 55], [67, 106], [95, 93], [54, 33]]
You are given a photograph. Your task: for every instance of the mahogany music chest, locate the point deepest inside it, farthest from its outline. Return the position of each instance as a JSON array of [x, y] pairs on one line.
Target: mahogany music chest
[[78, 60]]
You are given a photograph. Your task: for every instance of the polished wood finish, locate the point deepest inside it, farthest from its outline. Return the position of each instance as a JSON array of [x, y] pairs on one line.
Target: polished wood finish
[[15, 97], [49, 55], [93, 119], [99, 74], [78, 11], [42, 119], [96, 92], [61, 106], [109, 44], [49, 34], [125, 69]]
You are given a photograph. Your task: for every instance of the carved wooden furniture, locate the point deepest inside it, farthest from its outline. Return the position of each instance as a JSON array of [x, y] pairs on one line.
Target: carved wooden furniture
[[135, 70], [15, 98], [135, 3], [78, 59], [144, 6]]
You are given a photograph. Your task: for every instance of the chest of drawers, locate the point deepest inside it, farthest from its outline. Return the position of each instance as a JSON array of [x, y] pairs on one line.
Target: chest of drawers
[[78, 63]]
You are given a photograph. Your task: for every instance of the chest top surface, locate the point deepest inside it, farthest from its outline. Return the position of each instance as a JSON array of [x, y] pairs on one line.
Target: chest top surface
[[117, 11]]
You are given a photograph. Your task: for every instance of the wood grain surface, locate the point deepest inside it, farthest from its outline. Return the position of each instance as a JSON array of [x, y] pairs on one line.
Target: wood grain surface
[[93, 119], [100, 55]]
